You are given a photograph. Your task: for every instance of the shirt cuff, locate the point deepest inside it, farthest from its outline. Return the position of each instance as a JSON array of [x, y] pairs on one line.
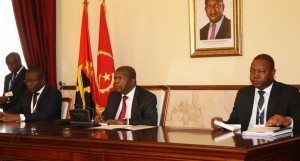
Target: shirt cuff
[[22, 117], [292, 124]]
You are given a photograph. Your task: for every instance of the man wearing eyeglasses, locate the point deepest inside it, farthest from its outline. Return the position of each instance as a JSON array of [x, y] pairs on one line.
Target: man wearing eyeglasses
[[219, 26], [38, 102], [13, 82]]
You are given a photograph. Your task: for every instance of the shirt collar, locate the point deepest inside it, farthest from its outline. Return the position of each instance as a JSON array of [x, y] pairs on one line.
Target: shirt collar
[[41, 90], [19, 70], [131, 93], [219, 22], [267, 90]]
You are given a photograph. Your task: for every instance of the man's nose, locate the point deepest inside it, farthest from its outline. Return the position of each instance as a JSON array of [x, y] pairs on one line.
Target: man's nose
[[256, 74]]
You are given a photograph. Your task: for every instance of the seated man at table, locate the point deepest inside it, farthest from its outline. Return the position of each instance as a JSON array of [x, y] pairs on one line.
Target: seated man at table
[[38, 102], [129, 104], [266, 101]]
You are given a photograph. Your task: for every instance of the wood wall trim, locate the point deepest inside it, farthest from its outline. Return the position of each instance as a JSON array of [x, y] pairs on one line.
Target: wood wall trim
[[182, 87]]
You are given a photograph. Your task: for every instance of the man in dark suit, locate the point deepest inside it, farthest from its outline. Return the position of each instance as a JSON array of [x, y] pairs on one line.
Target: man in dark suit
[[140, 104], [13, 83], [39, 102], [280, 102], [219, 26]]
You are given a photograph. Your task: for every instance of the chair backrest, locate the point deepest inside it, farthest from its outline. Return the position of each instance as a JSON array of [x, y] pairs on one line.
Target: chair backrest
[[162, 96], [65, 107], [194, 106]]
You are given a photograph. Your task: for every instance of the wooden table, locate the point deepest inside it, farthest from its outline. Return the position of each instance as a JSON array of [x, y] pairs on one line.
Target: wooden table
[[46, 141]]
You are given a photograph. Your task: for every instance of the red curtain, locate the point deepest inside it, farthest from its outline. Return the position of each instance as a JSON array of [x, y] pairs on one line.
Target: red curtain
[[36, 21]]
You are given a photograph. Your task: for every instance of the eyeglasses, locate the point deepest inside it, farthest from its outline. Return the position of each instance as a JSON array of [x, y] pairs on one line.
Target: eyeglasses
[[31, 81]]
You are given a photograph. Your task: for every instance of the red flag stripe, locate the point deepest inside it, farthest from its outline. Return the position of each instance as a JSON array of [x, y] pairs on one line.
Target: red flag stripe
[[105, 63]]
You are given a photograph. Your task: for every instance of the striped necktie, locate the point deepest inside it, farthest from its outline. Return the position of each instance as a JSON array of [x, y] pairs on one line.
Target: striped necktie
[[260, 111]]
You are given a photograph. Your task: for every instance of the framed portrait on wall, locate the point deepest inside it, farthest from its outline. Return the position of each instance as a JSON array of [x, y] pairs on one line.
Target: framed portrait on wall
[[215, 28]]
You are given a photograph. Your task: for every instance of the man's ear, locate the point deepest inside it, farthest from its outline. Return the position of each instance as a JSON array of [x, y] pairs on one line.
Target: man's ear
[[273, 71], [133, 82]]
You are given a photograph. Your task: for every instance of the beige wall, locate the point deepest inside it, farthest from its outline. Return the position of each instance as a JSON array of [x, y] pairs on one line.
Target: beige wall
[[153, 37]]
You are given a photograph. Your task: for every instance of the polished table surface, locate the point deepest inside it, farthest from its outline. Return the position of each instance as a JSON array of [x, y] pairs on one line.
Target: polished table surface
[[77, 142]]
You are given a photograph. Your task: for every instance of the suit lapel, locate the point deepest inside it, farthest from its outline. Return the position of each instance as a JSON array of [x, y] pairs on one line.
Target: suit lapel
[[249, 105], [17, 79], [273, 100], [115, 103], [42, 95], [7, 81], [134, 108], [223, 31]]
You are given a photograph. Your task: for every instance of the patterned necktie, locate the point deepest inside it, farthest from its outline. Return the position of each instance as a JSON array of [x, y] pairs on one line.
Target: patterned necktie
[[213, 30], [123, 110], [260, 111]]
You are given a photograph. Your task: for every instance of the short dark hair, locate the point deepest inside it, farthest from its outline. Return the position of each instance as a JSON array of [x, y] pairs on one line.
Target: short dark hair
[[218, 0], [15, 55], [37, 70], [128, 70], [267, 58]]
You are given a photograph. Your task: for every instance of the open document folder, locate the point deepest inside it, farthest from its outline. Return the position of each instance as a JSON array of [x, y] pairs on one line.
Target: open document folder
[[231, 127], [123, 127], [267, 131]]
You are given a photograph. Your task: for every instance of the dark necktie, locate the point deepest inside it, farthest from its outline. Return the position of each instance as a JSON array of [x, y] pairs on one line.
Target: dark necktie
[[123, 110], [12, 80], [260, 111], [34, 101]]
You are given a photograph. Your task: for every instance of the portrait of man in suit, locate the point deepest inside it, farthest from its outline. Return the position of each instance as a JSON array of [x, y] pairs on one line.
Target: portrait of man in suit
[[219, 26]]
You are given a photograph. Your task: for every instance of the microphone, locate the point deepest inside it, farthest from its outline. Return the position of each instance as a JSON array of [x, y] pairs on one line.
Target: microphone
[[88, 108]]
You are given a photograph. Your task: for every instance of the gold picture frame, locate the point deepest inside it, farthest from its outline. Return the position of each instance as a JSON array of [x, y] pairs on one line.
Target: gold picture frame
[[228, 46]]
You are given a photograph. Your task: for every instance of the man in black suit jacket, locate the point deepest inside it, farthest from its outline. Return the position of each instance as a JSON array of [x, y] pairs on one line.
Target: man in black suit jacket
[[214, 11], [281, 102], [48, 100], [13, 83], [143, 103]]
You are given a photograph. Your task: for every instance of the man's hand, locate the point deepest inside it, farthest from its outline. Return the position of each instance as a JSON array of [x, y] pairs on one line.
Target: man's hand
[[278, 120], [115, 122], [7, 117], [213, 120], [3, 100], [99, 119]]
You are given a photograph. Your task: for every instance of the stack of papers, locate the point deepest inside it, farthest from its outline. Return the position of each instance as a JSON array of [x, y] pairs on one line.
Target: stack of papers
[[267, 131], [231, 127], [268, 138]]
